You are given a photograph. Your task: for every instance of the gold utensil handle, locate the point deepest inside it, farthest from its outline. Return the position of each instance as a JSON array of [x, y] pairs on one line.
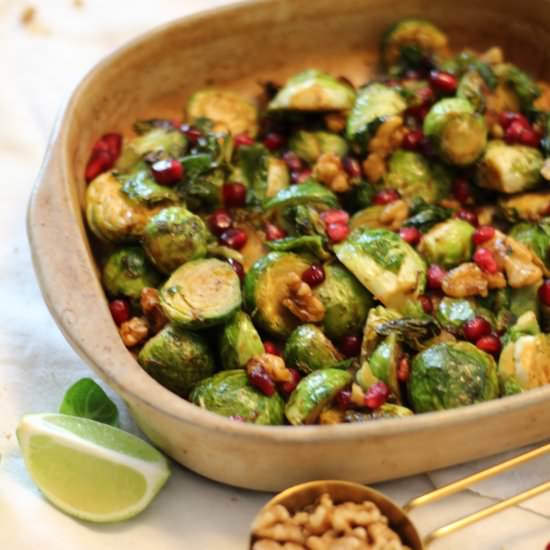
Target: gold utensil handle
[[463, 483]]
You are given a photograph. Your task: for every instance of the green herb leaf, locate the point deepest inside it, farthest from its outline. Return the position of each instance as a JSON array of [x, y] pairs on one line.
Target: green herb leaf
[[88, 400]]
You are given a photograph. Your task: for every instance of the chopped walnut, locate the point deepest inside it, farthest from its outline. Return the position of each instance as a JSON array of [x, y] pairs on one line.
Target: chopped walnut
[[149, 300], [272, 364], [464, 281], [543, 101], [134, 331], [374, 167], [450, 203], [486, 214], [357, 395], [495, 280], [394, 214], [329, 170], [301, 301], [496, 130], [335, 122], [493, 56], [331, 416]]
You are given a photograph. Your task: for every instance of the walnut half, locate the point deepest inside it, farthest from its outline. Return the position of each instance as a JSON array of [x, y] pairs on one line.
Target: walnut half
[[134, 331], [301, 301], [272, 364]]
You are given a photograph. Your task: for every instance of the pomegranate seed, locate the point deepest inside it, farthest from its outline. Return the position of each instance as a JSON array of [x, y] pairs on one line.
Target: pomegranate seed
[[485, 260], [271, 347], [343, 399], [259, 378], [192, 134], [293, 161], [467, 216], [167, 172], [426, 303], [410, 235], [490, 344], [443, 82], [334, 215], [234, 194], [109, 143], [337, 232], [385, 196], [548, 546], [403, 368], [301, 176], [234, 238], [425, 96], [352, 167], [242, 139], [413, 140], [506, 118], [288, 387], [518, 133], [476, 328], [274, 233], [120, 310], [435, 276], [99, 162], [219, 221], [377, 395], [544, 293], [237, 268], [273, 141], [483, 234], [350, 345], [313, 275], [461, 190], [417, 112]]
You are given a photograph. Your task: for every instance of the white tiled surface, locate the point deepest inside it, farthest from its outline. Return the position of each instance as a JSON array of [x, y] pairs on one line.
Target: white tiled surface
[[39, 64]]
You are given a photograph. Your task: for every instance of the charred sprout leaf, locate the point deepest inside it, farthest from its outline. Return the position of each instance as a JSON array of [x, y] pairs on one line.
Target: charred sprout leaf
[[410, 330], [309, 146], [303, 220], [305, 244], [523, 85], [530, 207], [473, 88], [239, 342], [87, 399], [139, 185], [363, 196], [204, 190], [424, 216], [523, 300], [309, 192], [387, 410]]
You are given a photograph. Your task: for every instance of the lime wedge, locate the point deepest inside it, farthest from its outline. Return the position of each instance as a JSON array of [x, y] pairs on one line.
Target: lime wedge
[[88, 469]]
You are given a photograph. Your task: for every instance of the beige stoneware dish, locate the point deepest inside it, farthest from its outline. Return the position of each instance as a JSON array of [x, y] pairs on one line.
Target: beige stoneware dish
[[238, 46]]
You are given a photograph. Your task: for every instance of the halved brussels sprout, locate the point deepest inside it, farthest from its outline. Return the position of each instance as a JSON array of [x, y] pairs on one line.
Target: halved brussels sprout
[[375, 102], [446, 376], [524, 87], [175, 236], [309, 192], [387, 410], [111, 215], [226, 109], [346, 302], [448, 243], [139, 185], [201, 293], [239, 342], [308, 349], [509, 168], [424, 216], [228, 393], [127, 271], [313, 90], [304, 244], [368, 217], [203, 190], [386, 265], [177, 359], [452, 313], [414, 177], [524, 299], [473, 88], [255, 247], [309, 146], [531, 207], [265, 287], [313, 393], [458, 133], [302, 219], [536, 237]]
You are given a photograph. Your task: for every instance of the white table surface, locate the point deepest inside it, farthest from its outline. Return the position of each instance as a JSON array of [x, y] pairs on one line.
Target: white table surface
[[39, 64]]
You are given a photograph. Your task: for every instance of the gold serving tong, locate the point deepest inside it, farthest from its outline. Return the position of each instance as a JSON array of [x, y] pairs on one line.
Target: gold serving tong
[[298, 497]]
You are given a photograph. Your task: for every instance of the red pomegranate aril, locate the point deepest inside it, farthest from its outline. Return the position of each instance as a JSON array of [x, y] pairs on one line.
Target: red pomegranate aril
[[467, 216], [506, 118], [377, 395], [410, 235], [273, 141], [288, 387], [334, 215], [461, 190], [352, 167], [476, 328], [259, 378], [120, 310], [343, 399], [426, 303], [167, 172], [530, 138], [337, 232], [242, 139], [403, 369], [435, 276], [544, 293], [99, 162], [485, 260], [418, 112], [301, 176], [271, 347], [109, 143], [237, 268], [192, 134], [443, 82], [313, 275], [293, 161], [274, 233], [490, 344], [350, 345], [234, 194], [413, 140], [234, 238], [483, 234], [425, 96], [386, 196], [219, 221]]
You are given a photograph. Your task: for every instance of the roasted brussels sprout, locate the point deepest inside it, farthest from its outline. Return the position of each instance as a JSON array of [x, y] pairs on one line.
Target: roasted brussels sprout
[[309, 192], [304, 244], [473, 88], [229, 393], [524, 87], [531, 207], [386, 265], [524, 299], [509, 168], [177, 359], [452, 313], [309, 146], [308, 349], [313, 393], [536, 237], [127, 271], [314, 90], [139, 185], [446, 376], [387, 410], [227, 110], [458, 133], [302, 219], [368, 217], [424, 216], [175, 236], [239, 342], [201, 293], [448, 243]]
